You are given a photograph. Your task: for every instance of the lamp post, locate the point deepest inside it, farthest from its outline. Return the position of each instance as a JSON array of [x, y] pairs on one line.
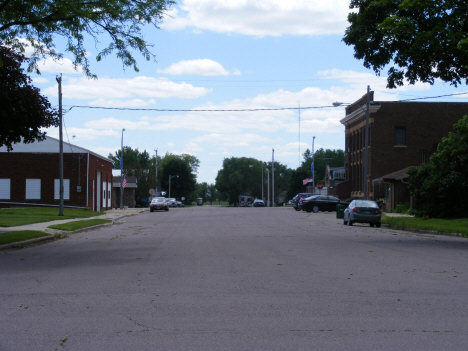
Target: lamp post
[[170, 177], [121, 171]]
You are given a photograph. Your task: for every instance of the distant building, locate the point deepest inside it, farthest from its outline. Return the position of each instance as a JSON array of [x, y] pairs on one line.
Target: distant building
[[30, 176], [128, 192], [401, 135]]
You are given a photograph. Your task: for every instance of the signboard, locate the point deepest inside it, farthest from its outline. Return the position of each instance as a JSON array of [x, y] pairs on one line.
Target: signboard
[[319, 186]]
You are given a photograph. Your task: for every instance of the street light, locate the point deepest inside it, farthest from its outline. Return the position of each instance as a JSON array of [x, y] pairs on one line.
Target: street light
[[121, 172], [170, 177]]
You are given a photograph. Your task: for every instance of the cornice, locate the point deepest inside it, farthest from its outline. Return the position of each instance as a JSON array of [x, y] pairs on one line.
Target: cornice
[[360, 113]]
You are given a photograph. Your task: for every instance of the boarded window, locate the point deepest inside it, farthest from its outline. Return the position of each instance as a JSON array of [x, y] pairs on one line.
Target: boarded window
[[5, 186], [33, 189], [66, 189]]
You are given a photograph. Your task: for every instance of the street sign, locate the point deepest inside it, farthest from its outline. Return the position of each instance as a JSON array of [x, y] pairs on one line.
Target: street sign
[[319, 186]]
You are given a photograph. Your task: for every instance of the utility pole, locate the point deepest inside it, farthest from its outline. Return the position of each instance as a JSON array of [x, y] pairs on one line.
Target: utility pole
[[59, 81], [156, 188], [313, 166], [268, 186], [366, 146], [273, 177], [121, 172]]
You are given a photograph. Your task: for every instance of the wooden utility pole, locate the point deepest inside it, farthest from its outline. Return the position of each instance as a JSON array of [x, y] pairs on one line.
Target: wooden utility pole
[[59, 81]]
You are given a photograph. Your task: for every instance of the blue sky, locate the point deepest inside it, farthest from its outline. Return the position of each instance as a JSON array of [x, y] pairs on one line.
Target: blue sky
[[226, 55]]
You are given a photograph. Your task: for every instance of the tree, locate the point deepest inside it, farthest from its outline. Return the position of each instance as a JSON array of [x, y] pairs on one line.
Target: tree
[[425, 39], [237, 177], [40, 21], [24, 110], [439, 188], [182, 186], [140, 165]]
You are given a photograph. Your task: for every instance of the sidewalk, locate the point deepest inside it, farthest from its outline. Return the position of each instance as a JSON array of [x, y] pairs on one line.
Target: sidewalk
[[113, 215]]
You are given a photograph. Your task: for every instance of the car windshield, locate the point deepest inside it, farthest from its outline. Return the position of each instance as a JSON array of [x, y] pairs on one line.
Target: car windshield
[[159, 199], [366, 204]]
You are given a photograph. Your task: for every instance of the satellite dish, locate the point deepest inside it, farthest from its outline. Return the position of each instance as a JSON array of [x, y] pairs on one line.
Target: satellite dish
[[163, 193], [183, 199]]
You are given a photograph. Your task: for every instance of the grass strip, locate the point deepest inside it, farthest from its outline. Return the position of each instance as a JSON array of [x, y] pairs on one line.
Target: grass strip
[[439, 225], [12, 217], [22, 235], [80, 224]]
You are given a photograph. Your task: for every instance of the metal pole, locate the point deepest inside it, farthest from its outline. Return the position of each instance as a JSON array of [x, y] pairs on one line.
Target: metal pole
[[169, 186], [59, 81], [268, 187], [156, 188], [121, 172], [366, 145], [313, 166], [273, 177], [263, 199]]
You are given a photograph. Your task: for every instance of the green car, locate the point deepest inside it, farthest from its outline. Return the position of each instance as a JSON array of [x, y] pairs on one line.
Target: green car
[[362, 211]]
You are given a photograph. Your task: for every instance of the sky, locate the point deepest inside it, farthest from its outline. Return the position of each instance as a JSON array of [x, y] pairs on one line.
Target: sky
[[286, 56]]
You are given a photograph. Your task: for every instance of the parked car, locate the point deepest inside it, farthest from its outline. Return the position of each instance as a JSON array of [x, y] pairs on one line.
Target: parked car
[[322, 203], [180, 204], [297, 198], [362, 211], [258, 203], [172, 202], [305, 201], [159, 203]]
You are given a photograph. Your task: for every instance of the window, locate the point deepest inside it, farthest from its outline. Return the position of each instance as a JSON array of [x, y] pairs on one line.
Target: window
[[5, 189], [400, 136], [33, 189], [66, 189]]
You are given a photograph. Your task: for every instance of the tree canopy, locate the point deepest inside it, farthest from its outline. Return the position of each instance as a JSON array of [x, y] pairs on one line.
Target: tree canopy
[[425, 39], [24, 111], [117, 22], [439, 188]]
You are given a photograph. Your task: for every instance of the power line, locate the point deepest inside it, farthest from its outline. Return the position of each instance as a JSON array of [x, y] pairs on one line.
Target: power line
[[243, 110]]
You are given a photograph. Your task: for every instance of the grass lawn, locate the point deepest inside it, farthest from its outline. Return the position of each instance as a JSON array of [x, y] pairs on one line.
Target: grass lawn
[[80, 224], [439, 225], [13, 237], [12, 217]]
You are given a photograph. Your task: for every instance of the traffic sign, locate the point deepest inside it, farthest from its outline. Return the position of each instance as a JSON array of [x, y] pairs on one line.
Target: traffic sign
[[319, 186]]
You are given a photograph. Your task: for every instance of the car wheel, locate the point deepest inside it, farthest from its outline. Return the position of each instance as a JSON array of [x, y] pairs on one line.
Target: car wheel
[[344, 222], [315, 209], [377, 225], [350, 223], [151, 210], [297, 209], [308, 211]]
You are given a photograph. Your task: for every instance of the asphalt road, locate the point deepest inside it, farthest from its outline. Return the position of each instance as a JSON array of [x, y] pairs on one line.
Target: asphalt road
[[208, 278]]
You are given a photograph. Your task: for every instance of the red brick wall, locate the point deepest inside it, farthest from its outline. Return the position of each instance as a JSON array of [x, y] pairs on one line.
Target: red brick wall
[[45, 166], [426, 124]]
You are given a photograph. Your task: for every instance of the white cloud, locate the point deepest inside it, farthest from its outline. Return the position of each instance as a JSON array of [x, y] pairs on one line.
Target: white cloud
[[103, 88], [202, 67], [119, 103], [261, 17], [64, 66]]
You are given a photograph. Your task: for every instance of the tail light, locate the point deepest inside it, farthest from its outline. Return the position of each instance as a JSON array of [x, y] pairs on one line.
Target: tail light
[[356, 210], [378, 212]]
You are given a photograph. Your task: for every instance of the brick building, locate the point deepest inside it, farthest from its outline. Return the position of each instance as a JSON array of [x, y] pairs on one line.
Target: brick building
[[401, 135], [30, 176]]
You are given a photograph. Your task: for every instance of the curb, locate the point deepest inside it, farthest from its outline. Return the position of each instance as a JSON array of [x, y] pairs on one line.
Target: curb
[[52, 236], [27, 242]]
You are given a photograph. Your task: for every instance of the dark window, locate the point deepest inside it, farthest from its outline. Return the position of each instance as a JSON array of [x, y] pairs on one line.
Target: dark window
[[400, 136]]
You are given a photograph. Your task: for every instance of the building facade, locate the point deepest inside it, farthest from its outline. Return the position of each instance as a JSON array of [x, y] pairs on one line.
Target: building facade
[[401, 135], [30, 176]]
